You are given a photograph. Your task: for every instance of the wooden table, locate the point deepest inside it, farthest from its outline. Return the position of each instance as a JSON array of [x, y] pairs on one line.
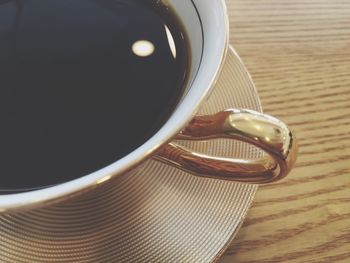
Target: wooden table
[[298, 53]]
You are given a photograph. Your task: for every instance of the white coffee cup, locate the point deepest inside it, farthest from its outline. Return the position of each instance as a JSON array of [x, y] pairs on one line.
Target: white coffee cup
[[206, 23]]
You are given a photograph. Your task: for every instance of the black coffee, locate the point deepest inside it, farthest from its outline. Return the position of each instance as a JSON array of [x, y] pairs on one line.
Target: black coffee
[[82, 84]]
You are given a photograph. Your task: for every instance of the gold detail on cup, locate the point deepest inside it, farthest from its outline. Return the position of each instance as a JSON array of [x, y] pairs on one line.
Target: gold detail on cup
[[263, 131]]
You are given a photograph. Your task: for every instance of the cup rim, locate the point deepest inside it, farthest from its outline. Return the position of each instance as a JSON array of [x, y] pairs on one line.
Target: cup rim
[[179, 119]]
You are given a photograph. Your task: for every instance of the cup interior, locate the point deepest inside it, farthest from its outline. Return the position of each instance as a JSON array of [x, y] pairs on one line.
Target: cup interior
[[205, 22], [188, 14]]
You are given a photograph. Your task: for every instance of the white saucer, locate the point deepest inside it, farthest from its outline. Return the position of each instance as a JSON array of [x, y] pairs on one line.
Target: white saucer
[[157, 214]]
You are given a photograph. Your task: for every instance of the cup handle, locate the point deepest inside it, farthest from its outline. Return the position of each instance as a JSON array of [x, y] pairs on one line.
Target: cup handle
[[261, 130]]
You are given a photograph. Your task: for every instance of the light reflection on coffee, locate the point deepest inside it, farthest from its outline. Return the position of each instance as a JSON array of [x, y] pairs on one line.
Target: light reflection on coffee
[[143, 48]]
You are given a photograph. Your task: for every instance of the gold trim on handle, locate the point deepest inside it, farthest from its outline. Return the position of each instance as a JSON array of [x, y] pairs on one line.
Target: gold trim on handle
[[260, 130]]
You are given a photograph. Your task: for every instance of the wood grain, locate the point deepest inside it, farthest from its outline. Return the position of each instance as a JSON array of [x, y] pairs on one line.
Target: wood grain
[[298, 53]]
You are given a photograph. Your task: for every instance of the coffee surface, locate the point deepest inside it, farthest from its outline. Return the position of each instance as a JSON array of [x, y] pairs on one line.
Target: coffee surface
[[82, 84]]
